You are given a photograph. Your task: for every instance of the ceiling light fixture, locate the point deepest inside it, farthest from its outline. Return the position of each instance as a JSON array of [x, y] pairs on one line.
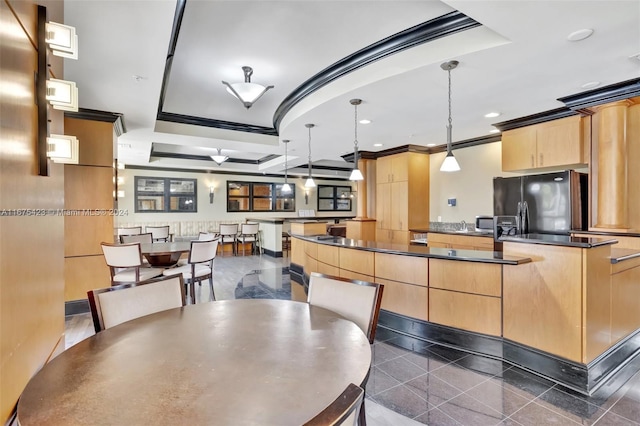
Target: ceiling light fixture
[[590, 85], [356, 174], [449, 164], [247, 92], [219, 158], [286, 188], [309, 183], [492, 115], [580, 34], [365, 121], [62, 94]]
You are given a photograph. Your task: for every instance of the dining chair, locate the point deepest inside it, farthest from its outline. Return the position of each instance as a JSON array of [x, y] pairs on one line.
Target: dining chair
[[343, 411], [358, 301], [229, 235], [249, 234], [199, 267], [132, 230], [202, 236], [114, 305], [137, 238], [125, 263], [159, 233]]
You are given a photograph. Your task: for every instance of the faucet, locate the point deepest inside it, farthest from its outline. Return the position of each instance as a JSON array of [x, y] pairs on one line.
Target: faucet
[[463, 225]]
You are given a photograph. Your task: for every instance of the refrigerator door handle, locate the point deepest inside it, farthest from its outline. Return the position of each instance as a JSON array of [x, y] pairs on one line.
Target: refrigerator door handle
[[524, 224]]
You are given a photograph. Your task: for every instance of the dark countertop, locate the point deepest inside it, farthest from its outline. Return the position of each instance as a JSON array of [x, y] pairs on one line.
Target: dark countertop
[[559, 240], [488, 234], [418, 250], [607, 233]]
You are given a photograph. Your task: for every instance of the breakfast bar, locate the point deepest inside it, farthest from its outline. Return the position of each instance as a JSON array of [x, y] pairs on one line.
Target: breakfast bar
[[542, 303]]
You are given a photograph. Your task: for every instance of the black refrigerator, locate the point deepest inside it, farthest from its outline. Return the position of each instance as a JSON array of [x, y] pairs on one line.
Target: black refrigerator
[[549, 203]]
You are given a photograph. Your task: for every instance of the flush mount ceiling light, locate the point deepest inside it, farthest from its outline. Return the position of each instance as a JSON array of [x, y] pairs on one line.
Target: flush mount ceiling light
[[356, 174], [590, 85], [219, 158], [580, 34], [286, 188], [492, 115], [247, 92], [62, 94], [63, 149], [62, 40], [309, 183], [450, 164]]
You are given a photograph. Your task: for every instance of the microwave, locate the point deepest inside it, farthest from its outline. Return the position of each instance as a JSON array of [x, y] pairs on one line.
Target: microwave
[[484, 224]]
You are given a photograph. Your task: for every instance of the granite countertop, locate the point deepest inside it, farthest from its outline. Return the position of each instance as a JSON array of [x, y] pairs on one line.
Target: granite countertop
[[487, 233], [419, 250], [559, 240]]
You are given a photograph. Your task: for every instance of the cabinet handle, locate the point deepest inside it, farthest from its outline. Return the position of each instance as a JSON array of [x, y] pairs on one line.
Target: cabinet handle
[[541, 160], [532, 159]]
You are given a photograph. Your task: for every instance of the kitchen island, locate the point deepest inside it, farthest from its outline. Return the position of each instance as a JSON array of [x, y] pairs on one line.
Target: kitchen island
[[542, 304]]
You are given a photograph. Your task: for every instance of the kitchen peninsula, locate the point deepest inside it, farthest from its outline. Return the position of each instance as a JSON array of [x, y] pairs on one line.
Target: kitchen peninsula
[[542, 304]]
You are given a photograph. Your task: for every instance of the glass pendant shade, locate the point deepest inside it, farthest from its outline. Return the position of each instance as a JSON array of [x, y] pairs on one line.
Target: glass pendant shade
[[219, 158], [247, 92], [356, 174], [450, 164], [309, 183], [286, 188]]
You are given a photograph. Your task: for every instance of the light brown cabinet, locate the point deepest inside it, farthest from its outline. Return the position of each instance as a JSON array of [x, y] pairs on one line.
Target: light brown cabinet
[[557, 143], [402, 196]]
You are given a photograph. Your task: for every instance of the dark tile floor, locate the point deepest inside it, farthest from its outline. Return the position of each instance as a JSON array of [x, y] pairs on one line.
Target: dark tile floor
[[436, 385]]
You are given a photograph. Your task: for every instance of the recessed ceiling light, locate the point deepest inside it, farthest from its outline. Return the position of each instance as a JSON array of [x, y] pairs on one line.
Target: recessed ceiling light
[[580, 34], [377, 144], [365, 121], [492, 114], [494, 131], [591, 85], [431, 144]]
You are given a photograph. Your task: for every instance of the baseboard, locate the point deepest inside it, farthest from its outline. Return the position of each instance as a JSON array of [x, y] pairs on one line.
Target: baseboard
[[411, 333], [75, 307], [272, 253]]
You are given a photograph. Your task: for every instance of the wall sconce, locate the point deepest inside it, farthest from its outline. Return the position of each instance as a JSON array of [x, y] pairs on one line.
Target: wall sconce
[[63, 149], [62, 94], [62, 40], [211, 194]]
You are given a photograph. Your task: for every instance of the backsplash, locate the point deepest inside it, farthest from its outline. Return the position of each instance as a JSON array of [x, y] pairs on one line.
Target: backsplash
[[451, 226]]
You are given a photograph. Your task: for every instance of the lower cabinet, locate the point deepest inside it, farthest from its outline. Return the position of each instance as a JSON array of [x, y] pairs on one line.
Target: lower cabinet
[[460, 242]]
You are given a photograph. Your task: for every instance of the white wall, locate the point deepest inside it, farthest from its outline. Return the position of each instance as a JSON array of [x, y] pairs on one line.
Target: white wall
[[472, 186], [217, 210]]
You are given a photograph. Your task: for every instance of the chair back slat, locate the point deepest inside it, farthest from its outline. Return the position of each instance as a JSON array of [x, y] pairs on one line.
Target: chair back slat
[[137, 238], [115, 305], [358, 301], [249, 228], [203, 251], [122, 255], [228, 228], [133, 230]]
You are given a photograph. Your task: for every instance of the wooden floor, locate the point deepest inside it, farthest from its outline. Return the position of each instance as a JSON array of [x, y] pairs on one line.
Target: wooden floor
[[431, 385]]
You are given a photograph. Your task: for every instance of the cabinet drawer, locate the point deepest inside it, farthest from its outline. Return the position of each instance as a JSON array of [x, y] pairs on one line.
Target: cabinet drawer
[[328, 254], [357, 261], [468, 277], [481, 314], [414, 270]]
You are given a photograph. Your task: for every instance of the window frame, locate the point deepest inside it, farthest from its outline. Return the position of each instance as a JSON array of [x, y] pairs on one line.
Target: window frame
[[275, 194], [166, 194], [336, 197]]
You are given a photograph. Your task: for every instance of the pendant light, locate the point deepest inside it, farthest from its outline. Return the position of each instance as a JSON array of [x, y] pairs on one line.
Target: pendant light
[[356, 174], [309, 183], [219, 158], [449, 164], [286, 188], [248, 93]]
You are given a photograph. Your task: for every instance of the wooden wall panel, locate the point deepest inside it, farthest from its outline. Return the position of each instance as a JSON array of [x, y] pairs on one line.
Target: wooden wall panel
[[83, 234], [625, 293], [633, 161], [357, 261], [31, 247], [96, 139], [542, 301], [469, 277], [406, 269], [83, 274], [481, 314], [405, 299]]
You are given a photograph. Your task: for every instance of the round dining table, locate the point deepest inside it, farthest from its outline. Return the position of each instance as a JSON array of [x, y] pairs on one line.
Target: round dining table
[[231, 362], [164, 254]]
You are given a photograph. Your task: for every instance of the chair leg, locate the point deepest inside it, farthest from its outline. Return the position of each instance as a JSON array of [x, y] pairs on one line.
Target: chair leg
[[213, 295], [362, 417], [192, 289]]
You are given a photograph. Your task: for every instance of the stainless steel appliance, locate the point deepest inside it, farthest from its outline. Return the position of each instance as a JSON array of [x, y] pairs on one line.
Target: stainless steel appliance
[[484, 224], [550, 203], [504, 226]]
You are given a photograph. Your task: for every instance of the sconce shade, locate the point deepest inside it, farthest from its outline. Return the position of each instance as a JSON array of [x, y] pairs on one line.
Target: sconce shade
[[211, 194], [63, 149], [62, 39], [219, 158], [62, 94], [247, 92]]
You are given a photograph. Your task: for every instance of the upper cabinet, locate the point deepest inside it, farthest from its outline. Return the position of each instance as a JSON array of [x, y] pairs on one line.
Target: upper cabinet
[[558, 143], [394, 168]]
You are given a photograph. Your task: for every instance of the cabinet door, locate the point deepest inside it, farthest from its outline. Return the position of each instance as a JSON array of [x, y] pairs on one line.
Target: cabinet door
[[519, 149], [400, 237], [384, 235], [559, 142], [383, 170], [400, 167], [399, 206], [383, 206]]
